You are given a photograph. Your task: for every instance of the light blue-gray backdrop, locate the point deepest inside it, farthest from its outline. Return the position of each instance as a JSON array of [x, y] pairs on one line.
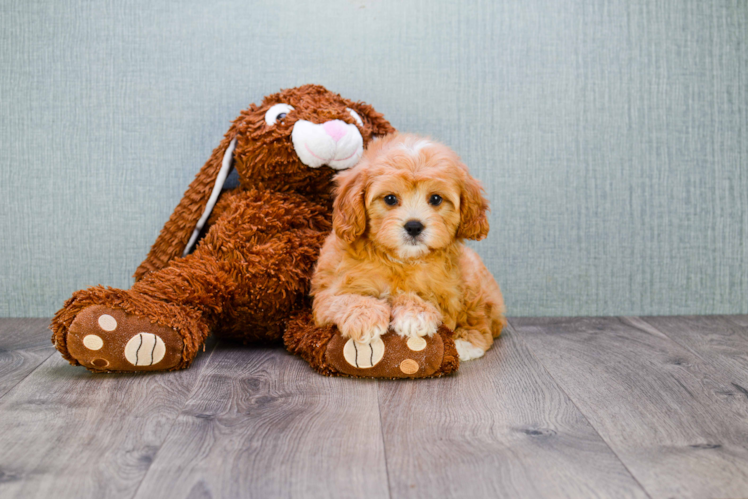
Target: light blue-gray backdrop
[[611, 135]]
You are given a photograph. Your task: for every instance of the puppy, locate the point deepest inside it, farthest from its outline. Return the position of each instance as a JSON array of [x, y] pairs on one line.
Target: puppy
[[395, 258]]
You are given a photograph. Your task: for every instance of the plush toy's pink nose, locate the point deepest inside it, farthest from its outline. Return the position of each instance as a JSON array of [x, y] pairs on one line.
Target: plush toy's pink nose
[[335, 129]]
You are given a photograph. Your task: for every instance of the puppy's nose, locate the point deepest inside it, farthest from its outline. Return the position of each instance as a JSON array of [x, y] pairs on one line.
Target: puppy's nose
[[413, 227], [335, 129]]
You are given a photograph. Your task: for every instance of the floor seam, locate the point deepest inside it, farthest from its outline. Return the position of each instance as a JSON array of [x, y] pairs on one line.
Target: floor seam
[[384, 444], [174, 420], [586, 418]]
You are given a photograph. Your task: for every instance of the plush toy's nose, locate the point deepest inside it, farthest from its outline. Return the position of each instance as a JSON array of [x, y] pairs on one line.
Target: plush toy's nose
[[335, 129]]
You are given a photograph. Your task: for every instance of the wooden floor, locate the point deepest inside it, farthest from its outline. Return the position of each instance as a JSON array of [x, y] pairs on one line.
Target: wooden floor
[[582, 407]]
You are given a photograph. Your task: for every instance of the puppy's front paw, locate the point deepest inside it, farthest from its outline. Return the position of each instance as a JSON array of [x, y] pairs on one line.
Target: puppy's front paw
[[365, 325], [468, 351], [408, 322]]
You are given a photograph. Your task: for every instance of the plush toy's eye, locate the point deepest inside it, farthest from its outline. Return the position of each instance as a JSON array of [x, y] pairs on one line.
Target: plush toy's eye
[[356, 117], [277, 112], [390, 200], [435, 200]]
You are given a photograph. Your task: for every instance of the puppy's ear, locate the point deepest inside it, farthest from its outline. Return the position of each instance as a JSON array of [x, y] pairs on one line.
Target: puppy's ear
[[374, 121], [349, 210], [473, 208]]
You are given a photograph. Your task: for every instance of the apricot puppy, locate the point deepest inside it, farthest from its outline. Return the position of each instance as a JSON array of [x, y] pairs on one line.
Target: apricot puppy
[[396, 257]]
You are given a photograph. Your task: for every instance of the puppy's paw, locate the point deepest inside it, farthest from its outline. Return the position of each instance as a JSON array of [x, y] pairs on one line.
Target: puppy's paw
[[414, 317], [468, 351], [366, 324], [410, 322]]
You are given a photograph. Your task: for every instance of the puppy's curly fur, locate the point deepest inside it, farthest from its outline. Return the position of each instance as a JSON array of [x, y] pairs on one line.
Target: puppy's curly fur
[[396, 257]]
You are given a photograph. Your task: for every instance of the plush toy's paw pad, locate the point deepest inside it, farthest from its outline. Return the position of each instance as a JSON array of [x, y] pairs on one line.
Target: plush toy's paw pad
[[416, 343], [107, 339], [363, 355], [145, 349], [468, 351], [390, 356]]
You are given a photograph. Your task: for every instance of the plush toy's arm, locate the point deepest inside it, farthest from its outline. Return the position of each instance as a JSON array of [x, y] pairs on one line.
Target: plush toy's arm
[[180, 226], [225, 202]]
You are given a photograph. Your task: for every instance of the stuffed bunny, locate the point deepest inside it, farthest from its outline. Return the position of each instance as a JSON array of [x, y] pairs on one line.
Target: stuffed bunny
[[255, 245]]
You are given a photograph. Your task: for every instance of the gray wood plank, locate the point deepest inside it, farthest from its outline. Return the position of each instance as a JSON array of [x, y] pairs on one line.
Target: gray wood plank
[[24, 346], [739, 319], [717, 340], [263, 424], [15, 366], [668, 415], [71, 433], [24, 333], [501, 427]]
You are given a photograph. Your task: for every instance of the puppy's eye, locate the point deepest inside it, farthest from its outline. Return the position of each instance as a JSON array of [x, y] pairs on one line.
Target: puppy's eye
[[435, 200], [277, 112], [390, 200]]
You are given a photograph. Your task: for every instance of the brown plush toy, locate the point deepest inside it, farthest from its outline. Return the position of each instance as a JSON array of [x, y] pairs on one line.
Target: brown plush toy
[[250, 272]]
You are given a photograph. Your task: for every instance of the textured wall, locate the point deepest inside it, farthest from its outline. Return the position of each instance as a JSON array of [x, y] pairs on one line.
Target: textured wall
[[612, 135]]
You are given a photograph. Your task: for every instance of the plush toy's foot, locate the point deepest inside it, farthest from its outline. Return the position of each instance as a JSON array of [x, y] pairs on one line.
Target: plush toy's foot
[[108, 339], [390, 356], [111, 330]]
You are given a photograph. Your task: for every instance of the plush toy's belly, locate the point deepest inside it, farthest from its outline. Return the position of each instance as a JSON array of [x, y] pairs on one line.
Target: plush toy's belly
[[268, 244]]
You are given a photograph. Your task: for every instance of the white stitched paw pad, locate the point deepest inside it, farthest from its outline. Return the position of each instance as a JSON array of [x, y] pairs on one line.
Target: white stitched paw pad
[[145, 349]]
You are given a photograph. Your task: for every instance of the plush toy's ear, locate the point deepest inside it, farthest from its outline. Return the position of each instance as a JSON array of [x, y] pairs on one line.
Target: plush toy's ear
[[473, 208], [183, 227], [374, 119], [349, 209]]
